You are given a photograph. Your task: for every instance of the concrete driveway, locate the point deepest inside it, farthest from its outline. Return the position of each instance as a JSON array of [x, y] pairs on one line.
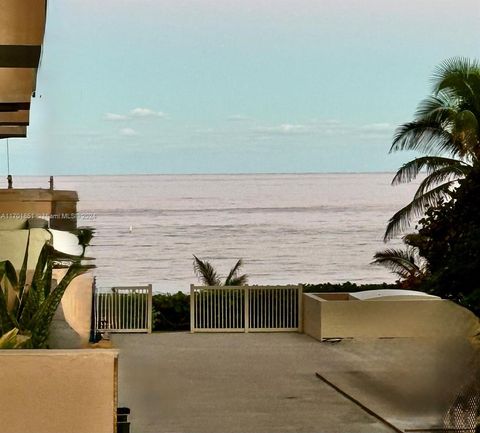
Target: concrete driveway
[[235, 383]]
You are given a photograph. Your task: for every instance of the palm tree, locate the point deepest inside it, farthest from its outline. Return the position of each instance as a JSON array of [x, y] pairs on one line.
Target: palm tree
[[406, 263], [446, 130], [207, 274]]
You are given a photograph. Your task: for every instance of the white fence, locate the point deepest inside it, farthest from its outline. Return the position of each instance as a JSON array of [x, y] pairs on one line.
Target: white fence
[[124, 309], [246, 308]]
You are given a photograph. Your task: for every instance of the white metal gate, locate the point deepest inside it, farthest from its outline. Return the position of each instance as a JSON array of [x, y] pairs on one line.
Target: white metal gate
[[246, 308], [124, 309]]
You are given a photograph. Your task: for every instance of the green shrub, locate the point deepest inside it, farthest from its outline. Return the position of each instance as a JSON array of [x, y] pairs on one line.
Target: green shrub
[[346, 287], [171, 312]]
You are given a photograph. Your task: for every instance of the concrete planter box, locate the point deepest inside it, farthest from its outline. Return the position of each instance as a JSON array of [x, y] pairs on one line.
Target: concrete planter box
[[58, 391], [343, 315]]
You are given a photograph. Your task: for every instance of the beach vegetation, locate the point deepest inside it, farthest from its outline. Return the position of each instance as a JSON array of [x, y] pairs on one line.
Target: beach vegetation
[[208, 276], [443, 253], [445, 129], [406, 263]]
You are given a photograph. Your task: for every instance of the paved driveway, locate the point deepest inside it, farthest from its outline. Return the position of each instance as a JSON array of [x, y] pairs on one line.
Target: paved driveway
[[238, 383]]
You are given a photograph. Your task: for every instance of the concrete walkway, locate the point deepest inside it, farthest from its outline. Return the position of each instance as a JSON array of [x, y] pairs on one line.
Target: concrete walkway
[[235, 383]]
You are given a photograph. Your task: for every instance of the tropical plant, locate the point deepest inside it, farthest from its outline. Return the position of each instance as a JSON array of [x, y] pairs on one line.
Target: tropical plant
[[446, 130], [207, 274], [85, 236], [406, 263], [35, 302], [12, 340], [449, 240]]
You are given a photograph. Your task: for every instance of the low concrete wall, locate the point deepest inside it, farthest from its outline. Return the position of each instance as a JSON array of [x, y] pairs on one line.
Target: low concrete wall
[[312, 315], [385, 318], [58, 391]]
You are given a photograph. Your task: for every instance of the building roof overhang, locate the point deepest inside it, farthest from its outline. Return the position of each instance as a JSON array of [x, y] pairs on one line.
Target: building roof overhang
[[22, 29]]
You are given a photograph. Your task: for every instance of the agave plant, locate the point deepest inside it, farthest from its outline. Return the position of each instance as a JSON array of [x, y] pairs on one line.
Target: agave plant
[[31, 311], [12, 340], [446, 128], [207, 274]]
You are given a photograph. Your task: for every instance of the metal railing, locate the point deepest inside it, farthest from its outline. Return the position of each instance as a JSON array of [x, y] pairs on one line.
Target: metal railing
[[246, 308], [124, 309]]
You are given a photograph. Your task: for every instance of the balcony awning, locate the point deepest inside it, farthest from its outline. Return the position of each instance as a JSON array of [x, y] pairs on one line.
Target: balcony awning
[[22, 29]]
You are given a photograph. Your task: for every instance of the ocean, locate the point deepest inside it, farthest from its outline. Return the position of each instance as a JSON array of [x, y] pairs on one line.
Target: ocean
[[288, 228]]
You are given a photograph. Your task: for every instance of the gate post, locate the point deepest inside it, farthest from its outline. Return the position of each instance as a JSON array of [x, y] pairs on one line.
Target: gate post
[[300, 308], [192, 309], [246, 314], [149, 309]]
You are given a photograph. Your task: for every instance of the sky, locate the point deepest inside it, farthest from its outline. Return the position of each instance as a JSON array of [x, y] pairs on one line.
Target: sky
[[224, 86]]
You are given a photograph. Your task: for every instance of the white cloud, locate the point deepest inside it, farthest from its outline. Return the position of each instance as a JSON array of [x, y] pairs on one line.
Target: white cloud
[[146, 112], [128, 132], [114, 116], [136, 113], [284, 129], [238, 118], [377, 128]]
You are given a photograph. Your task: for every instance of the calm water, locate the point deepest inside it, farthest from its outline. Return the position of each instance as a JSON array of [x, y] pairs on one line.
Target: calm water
[[288, 228]]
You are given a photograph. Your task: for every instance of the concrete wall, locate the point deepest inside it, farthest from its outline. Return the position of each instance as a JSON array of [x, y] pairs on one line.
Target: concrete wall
[[386, 318], [40, 202], [58, 391], [71, 325], [312, 323], [13, 244]]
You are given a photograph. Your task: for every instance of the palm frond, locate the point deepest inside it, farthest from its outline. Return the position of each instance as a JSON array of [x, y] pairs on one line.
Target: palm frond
[[233, 273], [411, 169], [205, 272], [399, 261], [461, 76], [416, 208], [239, 280], [440, 108], [425, 135], [450, 173]]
